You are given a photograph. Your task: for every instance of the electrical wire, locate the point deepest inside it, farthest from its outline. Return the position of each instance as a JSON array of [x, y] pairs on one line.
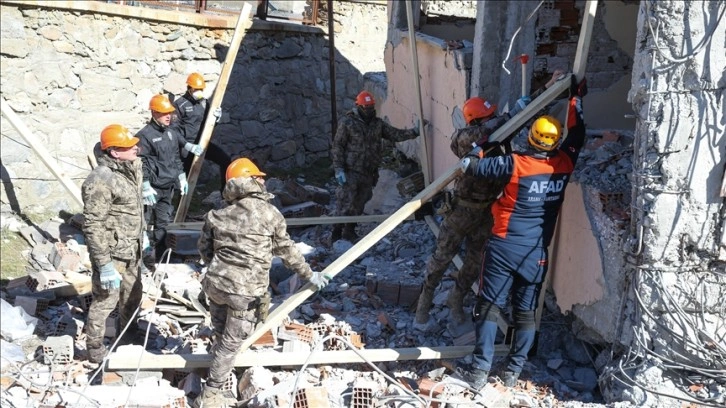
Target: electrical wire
[[511, 42], [102, 365], [699, 46]]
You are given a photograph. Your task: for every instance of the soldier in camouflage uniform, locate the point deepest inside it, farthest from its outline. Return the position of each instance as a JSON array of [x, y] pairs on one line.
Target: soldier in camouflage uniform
[[113, 229], [238, 243], [469, 218], [357, 153]]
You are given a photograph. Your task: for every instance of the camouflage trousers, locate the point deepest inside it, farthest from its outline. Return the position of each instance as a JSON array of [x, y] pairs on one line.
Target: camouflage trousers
[[234, 318], [127, 297], [351, 197], [464, 224]]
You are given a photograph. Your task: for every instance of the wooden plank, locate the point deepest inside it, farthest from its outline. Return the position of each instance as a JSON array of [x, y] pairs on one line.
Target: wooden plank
[[424, 154], [41, 151], [243, 22], [583, 42], [167, 16], [281, 311], [295, 222], [269, 358]]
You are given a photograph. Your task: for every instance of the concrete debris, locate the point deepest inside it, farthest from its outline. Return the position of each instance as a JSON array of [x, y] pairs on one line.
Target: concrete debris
[[368, 304]]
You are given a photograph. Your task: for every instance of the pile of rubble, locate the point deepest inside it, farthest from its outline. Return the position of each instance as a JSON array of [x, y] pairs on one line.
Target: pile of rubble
[[346, 346]]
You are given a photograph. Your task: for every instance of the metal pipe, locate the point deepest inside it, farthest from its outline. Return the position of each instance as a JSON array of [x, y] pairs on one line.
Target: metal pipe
[[417, 87]]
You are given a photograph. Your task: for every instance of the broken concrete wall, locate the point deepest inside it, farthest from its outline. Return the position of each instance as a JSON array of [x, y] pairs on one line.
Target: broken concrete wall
[[677, 214], [68, 74]]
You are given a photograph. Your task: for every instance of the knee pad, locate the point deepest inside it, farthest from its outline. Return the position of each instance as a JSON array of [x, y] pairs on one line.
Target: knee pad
[[524, 320], [485, 310]]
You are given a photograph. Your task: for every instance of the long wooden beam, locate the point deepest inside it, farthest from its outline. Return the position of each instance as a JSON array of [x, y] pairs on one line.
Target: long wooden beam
[[145, 13], [130, 360], [299, 221], [39, 149], [243, 22]]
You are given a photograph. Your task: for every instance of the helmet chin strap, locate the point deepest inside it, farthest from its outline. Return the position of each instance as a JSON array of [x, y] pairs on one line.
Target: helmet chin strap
[[161, 125]]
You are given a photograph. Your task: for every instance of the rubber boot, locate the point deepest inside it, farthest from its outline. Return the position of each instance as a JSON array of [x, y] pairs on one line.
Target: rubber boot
[[455, 302], [425, 300]]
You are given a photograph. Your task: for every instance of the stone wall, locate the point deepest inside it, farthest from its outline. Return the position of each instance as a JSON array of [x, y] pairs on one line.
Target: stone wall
[[68, 74]]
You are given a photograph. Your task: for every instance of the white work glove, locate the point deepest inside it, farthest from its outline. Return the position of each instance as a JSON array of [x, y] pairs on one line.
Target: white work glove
[[194, 149], [320, 280], [217, 114], [340, 176], [110, 278], [183, 185], [148, 193]]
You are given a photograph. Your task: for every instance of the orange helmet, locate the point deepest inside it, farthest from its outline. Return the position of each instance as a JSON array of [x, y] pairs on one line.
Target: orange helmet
[[365, 99], [545, 133], [117, 136], [243, 168], [195, 80], [160, 103], [477, 108]]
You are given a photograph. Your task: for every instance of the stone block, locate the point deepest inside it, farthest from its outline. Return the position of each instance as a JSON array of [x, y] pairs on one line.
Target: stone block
[[408, 294], [388, 292], [63, 259], [58, 350]]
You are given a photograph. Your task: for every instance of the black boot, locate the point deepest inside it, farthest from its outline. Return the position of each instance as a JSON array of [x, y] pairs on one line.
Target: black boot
[[337, 233]]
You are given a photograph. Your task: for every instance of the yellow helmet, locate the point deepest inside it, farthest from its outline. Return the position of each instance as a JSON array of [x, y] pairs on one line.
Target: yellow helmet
[[545, 133], [195, 80], [243, 168]]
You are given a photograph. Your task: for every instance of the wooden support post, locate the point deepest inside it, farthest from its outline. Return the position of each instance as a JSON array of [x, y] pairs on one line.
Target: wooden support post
[[242, 23], [37, 146], [424, 151]]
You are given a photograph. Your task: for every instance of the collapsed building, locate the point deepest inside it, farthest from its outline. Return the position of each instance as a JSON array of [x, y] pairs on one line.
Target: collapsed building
[[639, 254]]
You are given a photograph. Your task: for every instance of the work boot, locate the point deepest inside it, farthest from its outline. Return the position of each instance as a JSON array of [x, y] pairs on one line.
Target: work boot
[[349, 233], [473, 376], [214, 398], [337, 233], [509, 378], [455, 302], [96, 355], [425, 299]]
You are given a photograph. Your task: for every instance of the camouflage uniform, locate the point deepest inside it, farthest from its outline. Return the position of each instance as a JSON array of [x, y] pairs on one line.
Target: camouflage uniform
[[238, 243], [358, 150], [470, 220], [114, 222]]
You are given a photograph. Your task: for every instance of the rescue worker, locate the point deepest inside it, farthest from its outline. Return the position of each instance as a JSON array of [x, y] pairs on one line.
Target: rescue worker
[[114, 233], [238, 243], [191, 110], [357, 153], [468, 218], [516, 258], [160, 151]]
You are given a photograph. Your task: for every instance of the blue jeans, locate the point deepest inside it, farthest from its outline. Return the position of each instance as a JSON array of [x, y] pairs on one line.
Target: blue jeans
[[508, 269]]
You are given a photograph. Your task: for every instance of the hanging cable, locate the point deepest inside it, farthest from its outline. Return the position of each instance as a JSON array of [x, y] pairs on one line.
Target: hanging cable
[[511, 42]]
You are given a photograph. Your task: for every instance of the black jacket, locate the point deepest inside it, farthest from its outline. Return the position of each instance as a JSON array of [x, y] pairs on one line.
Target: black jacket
[[190, 115], [160, 154]]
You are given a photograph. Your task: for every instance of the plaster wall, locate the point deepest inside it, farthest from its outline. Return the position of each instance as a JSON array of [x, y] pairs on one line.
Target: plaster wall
[[577, 275], [443, 79]]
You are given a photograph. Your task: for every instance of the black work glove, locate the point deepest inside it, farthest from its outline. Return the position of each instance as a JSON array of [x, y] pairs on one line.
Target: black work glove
[[578, 88]]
